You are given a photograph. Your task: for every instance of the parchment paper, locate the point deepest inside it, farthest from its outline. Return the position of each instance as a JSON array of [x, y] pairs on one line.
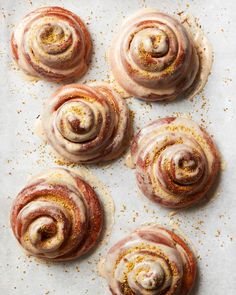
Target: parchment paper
[[211, 226]]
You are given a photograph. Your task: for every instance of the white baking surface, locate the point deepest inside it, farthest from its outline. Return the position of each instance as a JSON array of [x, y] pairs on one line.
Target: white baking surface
[[211, 227]]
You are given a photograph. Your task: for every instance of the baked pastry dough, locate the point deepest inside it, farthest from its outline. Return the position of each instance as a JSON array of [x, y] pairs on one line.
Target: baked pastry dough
[[52, 43], [57, 216], [153, 57], [86, 124], [151, 260], [176, 161]]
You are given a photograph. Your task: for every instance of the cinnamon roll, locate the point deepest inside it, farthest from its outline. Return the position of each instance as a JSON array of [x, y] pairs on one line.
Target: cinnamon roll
[[176, 161], [154, 57], [52, 43], [86, 124], [151, 260], [57, 216]]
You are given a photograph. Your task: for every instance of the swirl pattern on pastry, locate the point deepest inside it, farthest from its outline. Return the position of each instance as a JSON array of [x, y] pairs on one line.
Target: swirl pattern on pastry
[[86, 124], [152, 260], [153, 57], [57, 216], [176, 161], [52, 43]]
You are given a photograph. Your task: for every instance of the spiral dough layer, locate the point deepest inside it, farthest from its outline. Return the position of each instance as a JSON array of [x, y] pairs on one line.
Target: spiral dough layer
[[57, 216], [153, 57], [86, 124], [52, 43], [152, 260], [176, 161]]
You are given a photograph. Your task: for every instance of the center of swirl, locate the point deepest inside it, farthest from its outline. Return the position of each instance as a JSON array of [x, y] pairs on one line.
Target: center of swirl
[[51, 34], [156, 44], [151, 278], [187, 166], [54, 39], [47, 230], [43, 233], [75, 119], [149, 49], [152, 41]]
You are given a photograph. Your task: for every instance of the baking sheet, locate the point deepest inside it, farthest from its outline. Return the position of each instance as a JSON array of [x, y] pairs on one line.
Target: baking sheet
[[211, 227]]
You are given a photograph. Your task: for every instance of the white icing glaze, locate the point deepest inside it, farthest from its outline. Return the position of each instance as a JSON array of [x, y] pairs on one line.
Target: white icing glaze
[[38, 129], [129, 161], [205, 53]]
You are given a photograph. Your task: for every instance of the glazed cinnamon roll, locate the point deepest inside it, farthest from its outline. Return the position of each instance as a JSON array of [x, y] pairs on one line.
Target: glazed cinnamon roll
[[57, 216], [153, 57], [86, 124], [52, 43], [152, 260], [176, 161]]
